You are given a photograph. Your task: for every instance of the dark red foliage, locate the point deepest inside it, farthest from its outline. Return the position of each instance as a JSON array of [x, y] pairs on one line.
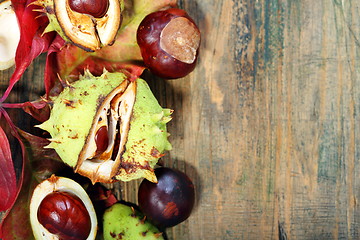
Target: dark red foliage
[[96, 66], [10, 187], [32, 43], [7, 174], [32, 40]]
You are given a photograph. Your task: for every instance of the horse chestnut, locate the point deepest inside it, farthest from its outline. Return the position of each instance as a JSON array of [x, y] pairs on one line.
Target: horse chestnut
[[64, 215], [61, 209], [169, 201], [95, 8], [169, 41], [101, 140]]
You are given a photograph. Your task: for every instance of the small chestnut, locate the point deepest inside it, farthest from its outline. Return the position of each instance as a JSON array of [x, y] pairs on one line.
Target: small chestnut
[[64, 215], [169, 41], [95, 8], [60, 208], [101, 140], [169, 201]]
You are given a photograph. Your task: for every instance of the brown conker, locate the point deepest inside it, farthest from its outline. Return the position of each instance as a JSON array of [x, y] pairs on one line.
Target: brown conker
[[169, 41], [169, 201], [95, 8], [65, 215], [101, 140]]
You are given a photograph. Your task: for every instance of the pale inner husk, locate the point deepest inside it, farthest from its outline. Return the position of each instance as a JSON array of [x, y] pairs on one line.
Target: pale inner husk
[[108, 25], [114, 113]]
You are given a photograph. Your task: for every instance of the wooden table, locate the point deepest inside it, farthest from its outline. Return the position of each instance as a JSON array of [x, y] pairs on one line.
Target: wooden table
[[267, 124]]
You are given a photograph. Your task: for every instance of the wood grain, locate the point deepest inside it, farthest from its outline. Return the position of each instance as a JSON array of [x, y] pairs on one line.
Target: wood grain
[[268, 120], [267, 124]]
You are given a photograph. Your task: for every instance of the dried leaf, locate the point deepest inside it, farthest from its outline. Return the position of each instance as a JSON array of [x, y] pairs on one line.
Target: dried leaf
[[96, 67], [102, 196], [16, 224], [32, 42], [43, 161], [9, 182], [8, 187], [51, 67], [39, 165], [38, 109]]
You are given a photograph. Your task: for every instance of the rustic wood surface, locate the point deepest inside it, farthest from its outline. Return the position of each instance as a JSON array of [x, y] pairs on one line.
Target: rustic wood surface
[[267, 124]]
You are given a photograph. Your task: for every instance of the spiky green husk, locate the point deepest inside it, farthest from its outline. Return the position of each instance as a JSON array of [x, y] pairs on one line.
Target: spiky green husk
[[48, 8], [54, 26], [147, 138], [124, 222], [73, 112], [72, 117]]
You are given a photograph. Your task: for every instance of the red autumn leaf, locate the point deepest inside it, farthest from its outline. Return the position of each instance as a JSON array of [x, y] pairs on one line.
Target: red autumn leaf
[[51, 68], [96, 67], [43, 161], [68, 59], [8, 187], [101, 195], [38, 109], [39, 165], [32, 41], [16, 224], [8, 182]]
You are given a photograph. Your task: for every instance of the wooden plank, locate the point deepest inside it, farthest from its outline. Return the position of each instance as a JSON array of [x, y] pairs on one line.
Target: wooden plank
[[271, 126], [266, 126]]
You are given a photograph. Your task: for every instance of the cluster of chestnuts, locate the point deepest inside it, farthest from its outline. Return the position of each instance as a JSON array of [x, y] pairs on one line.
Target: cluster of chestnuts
[[60, 208]]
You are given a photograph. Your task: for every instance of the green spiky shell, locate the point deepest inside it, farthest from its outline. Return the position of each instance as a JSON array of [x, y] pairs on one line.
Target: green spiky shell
[[73, 112], [72, 116], [48, 8], [123, 222], [147, 134]]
